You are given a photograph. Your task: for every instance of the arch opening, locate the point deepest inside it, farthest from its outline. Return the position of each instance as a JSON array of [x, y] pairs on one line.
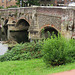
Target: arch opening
[[47, 32], [22, 22], [21, 35]]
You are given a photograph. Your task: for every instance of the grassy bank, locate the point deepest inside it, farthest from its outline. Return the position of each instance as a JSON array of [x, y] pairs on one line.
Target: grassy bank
[[31, 67]]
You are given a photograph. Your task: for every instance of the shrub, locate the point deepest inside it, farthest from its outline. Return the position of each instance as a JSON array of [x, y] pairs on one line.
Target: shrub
[[1, 7], [23, 52], [71, 52], [58, 51], [12, 6]]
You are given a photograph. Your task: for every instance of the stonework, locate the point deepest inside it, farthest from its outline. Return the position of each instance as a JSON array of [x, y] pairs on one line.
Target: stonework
[[61, 19]]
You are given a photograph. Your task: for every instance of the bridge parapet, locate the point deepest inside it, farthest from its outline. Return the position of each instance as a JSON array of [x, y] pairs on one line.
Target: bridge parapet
[[60, 18]]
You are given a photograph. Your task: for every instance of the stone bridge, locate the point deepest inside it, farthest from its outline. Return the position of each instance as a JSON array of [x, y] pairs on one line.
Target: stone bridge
[[30, 21]]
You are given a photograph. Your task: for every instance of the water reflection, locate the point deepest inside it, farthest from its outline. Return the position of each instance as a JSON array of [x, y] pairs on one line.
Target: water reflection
[[3, 48]]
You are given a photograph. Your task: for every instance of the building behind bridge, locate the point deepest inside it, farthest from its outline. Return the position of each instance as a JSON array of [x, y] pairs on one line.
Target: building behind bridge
[[10, 3], [55, 2], [7, 3]]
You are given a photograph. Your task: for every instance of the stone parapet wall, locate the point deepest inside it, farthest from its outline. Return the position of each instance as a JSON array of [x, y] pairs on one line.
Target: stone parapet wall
[[61, 19]]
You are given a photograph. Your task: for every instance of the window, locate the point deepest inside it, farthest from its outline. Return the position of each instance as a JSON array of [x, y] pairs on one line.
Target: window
[[67, 0], [58, 0], [9, 0], [3, 6], [2, 1]]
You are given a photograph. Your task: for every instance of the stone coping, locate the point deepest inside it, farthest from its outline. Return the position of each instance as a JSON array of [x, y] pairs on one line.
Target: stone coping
[[56, 7]]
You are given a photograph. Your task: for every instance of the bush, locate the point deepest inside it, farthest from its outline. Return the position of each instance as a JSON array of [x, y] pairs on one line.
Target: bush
[[58, 51], [1, 7], [71, 52], [12, 6], [23, 52]]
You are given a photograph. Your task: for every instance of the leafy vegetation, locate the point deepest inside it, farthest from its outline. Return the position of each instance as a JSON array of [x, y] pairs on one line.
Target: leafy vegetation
[[33, 2], [12, 6], [1, 7], [23, 52], [54, 50], [31, 67], [58, 51], [30, 2]]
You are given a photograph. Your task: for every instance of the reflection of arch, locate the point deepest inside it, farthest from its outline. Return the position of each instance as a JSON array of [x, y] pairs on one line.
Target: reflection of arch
[[47, 31]]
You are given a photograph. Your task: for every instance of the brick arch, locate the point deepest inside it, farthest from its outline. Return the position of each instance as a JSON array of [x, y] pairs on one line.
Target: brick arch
[[24, 19], [50, 28], [48, 25]]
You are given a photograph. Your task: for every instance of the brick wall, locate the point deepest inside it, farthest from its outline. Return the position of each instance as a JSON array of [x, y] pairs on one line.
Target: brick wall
[[7, 3], [51, 17], [55, 2]]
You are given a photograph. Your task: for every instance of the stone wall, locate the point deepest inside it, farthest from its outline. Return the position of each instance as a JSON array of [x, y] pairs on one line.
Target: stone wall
[[61, 19]]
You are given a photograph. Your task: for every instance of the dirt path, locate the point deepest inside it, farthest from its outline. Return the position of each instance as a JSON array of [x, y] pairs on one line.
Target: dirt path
[[72, 72]]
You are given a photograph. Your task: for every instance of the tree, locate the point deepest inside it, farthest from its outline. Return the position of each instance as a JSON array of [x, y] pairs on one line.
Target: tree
[[33, 2], [18, 2], [1, 7], [30, 2]]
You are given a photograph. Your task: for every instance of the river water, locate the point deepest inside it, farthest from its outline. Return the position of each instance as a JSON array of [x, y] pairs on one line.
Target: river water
[[3, 48]]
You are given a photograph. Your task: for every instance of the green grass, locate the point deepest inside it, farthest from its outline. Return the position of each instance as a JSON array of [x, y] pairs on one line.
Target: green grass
[[31, 67]]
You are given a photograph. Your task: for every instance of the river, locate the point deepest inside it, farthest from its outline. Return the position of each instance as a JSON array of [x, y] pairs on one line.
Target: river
[[3, 48]]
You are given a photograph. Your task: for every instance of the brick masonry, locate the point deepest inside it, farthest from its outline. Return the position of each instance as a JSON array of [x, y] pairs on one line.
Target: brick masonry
[[61, 19]]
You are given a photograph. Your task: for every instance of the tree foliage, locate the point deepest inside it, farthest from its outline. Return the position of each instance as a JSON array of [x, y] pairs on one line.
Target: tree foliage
[[1, 7], [33, 2], [58, 51], [30, 2]]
